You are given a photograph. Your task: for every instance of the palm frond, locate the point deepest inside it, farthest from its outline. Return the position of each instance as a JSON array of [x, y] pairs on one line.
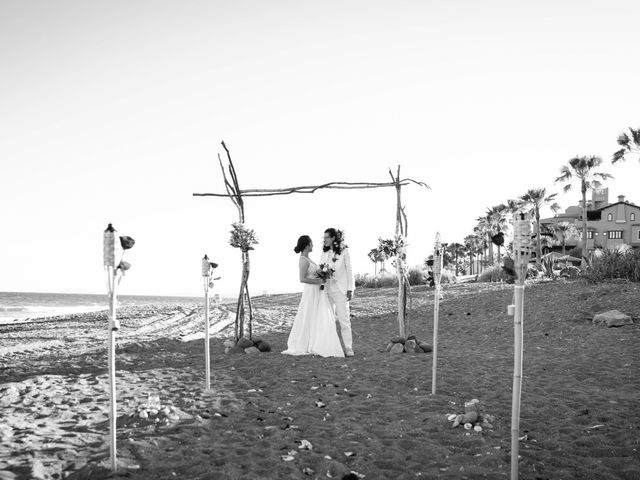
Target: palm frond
[[619, 155], [623, 140]]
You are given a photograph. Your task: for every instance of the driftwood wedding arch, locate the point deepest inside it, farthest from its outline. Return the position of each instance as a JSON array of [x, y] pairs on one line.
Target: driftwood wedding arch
[[237, 195]]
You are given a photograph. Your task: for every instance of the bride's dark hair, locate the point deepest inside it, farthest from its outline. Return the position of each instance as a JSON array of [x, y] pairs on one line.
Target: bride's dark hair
[[303, 242]]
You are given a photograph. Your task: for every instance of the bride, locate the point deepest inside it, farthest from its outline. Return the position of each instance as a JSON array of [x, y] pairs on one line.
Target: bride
[[314, 328]]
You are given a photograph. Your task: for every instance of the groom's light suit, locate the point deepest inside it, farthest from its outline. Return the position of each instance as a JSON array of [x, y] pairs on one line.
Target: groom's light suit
[[337, 287]]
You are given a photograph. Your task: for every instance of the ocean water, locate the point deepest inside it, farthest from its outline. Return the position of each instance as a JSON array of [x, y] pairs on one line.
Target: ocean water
[[23, 305]]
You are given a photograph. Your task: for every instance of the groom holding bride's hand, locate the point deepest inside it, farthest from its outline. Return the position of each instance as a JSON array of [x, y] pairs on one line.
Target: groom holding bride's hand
[[340, 285]]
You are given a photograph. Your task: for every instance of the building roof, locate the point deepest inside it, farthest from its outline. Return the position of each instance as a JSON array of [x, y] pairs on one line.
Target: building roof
[[613, 204]]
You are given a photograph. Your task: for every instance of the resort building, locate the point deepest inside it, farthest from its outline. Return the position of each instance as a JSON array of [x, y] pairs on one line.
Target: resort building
[[608, 224]]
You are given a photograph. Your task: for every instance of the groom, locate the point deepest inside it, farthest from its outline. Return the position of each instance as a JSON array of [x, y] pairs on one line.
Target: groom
[[340, 287]]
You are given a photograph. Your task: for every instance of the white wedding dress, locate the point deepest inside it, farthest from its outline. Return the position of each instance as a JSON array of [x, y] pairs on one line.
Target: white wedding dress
[[314, 329]]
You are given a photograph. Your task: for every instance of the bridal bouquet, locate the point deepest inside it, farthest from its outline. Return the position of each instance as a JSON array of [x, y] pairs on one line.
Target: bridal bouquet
[[325, 272]]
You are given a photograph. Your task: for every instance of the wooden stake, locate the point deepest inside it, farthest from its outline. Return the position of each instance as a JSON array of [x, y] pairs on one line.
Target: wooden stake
[[517, 379], [112, 369], [437, 274], [207, 361]]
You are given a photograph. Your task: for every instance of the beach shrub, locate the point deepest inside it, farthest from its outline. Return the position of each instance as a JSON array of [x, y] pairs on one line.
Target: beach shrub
[[570, 272], [575, 252], [448, 277], [617, 263], [417, 276], [376, 281], [493, 274]]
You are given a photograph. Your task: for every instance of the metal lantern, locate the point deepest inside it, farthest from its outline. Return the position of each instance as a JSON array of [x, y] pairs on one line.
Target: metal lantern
[[521, 247], [109, 247], [437, 259], [206, 266]]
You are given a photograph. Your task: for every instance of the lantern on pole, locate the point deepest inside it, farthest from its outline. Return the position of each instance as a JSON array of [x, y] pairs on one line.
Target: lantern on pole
[[207, 268], [522, 254], [112, 247], [437, 275], [109, 257]]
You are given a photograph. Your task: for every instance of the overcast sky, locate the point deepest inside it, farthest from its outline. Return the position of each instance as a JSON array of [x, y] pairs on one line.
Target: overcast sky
[[113, 111]]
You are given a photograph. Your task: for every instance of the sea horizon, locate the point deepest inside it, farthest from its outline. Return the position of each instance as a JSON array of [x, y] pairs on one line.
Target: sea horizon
[[31, 305]]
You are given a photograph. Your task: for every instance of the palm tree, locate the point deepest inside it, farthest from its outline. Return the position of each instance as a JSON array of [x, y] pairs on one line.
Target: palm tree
[[456, 250], [481, 230], [377, 256], [583, 170], [629, 144], [564, 229], [472, 244], [496, 218], [537, 198], [485, 249]]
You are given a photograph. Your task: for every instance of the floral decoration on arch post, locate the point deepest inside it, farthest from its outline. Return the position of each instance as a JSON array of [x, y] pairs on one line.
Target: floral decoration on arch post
[[242, 237]]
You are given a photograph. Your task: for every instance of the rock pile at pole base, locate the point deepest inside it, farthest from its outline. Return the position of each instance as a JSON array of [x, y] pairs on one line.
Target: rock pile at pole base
[[244, 345], [409, 345]]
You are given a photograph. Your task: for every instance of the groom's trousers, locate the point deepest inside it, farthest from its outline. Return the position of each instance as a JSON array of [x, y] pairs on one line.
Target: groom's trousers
[[339, 301]]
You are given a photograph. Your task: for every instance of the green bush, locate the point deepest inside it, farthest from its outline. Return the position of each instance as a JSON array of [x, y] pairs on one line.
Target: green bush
[[618, 263], [376, 281], [417, 276], [494, 274], [447, 277]]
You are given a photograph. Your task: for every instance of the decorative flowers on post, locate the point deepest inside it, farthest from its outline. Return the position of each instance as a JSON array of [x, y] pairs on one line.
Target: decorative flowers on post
[[242, 237]]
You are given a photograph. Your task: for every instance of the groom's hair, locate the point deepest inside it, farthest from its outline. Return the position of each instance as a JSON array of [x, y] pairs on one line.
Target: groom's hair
[[336, 246], [332, 232]]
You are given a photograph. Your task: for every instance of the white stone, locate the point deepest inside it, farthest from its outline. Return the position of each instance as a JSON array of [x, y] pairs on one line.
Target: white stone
[[612, 318]]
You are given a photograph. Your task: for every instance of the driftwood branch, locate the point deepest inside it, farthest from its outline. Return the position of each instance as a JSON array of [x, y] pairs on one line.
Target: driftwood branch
[[236, 186], [255, 192], [228, 186]]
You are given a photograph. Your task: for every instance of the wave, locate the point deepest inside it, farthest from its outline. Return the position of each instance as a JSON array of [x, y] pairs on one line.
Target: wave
[[21, 312]]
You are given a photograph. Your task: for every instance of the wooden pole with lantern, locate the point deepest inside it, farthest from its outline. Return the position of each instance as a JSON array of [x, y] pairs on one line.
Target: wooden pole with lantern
[[112, 246], [206, 269], [109, 257], [522, 254], [437, 275]]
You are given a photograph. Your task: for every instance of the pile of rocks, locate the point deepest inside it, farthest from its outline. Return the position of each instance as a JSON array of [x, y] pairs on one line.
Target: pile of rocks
[[145, 415], [473, 418], [244, 345], [409, 345]]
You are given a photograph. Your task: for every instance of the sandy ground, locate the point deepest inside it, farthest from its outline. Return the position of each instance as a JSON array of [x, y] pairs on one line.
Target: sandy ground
[[371, 416]]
